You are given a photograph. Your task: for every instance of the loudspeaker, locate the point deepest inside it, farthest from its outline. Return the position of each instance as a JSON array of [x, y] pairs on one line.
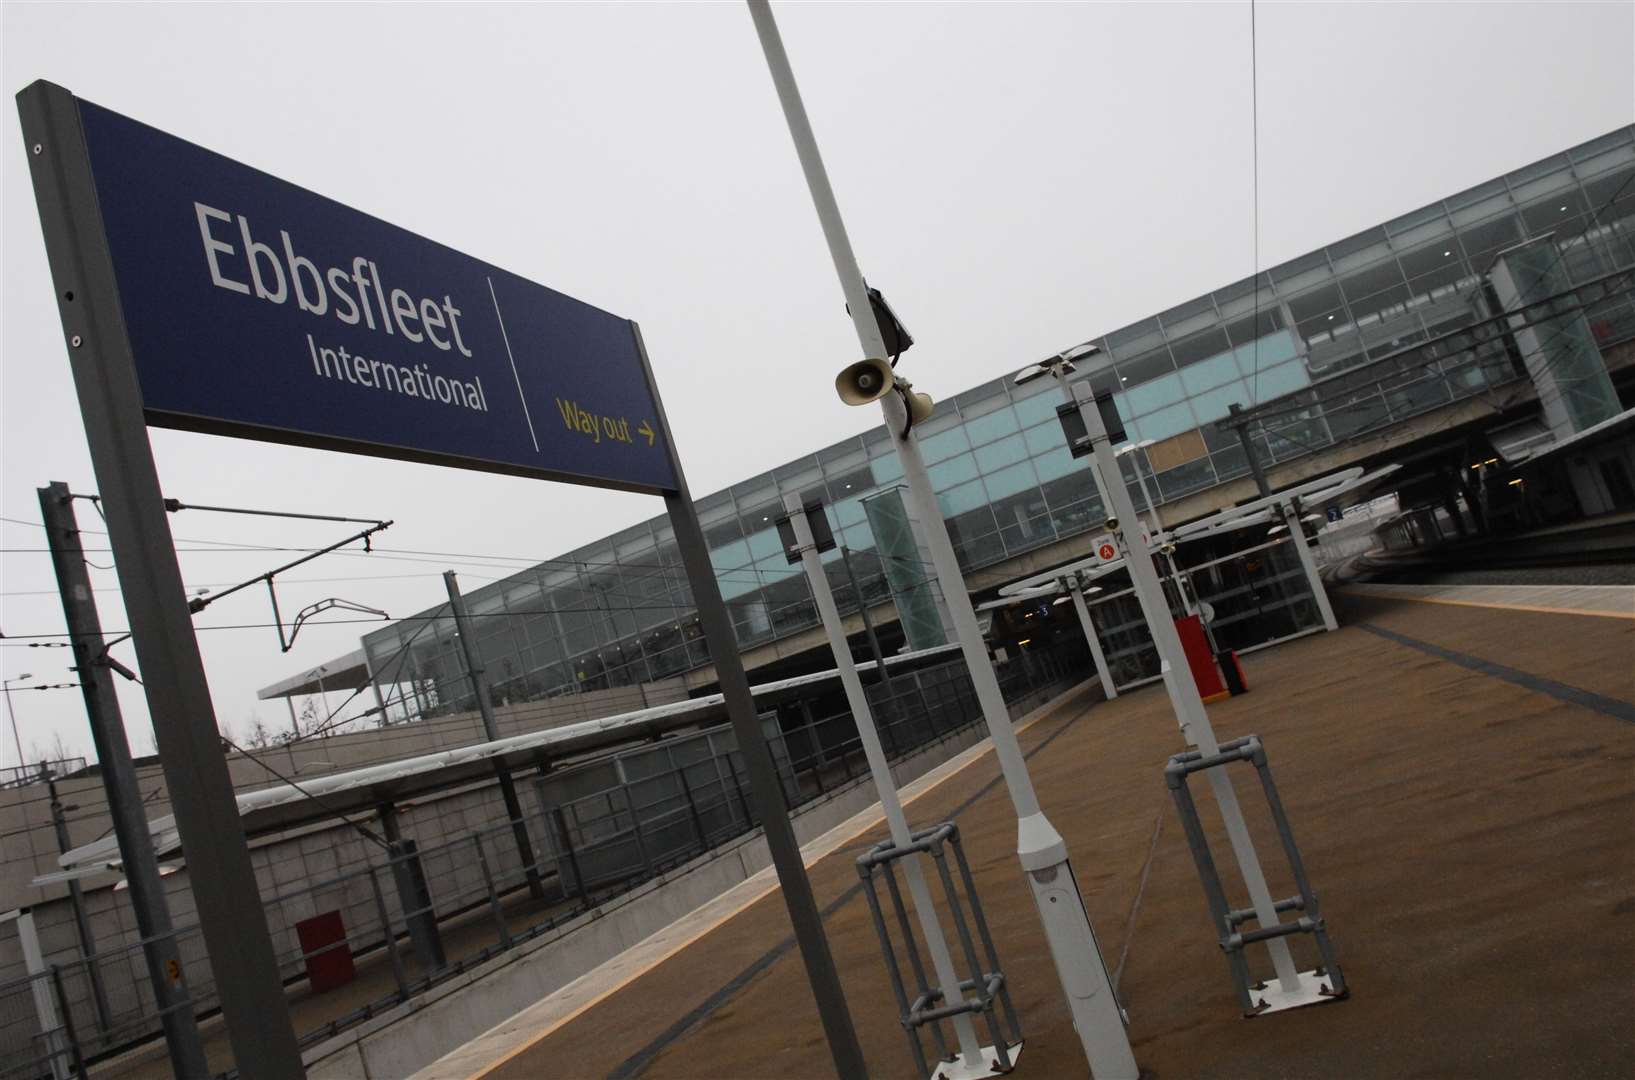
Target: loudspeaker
[[919, 407], [864, 381]]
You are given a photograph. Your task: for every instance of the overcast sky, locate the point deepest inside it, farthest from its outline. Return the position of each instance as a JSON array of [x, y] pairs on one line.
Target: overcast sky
[[1015, 177]]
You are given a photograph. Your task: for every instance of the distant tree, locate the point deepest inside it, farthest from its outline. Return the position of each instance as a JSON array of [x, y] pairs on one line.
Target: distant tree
[[310, 717]]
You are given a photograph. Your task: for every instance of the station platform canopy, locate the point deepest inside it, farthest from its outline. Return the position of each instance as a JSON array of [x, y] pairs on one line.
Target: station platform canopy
[[360, 791], [349, 672]]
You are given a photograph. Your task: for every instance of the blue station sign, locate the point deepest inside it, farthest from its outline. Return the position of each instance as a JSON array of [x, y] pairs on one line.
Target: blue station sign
[[257, 308]]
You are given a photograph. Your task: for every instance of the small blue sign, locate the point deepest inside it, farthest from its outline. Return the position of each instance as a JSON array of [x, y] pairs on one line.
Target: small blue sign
[[258, 308]]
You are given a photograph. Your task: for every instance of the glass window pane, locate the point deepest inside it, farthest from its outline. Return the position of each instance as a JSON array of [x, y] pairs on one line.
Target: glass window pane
[[848, 512], [1484, 238], [730, 555], [1209, 374], [1374, 288], [1058, 463], [995, 425], [887, 469], [961, 499], [1262, 354], [1004, 452], [1283, 379], [1144, 368], [1155, 394], [1186, 478], [1317, 310], [1212, 406], [1432, 266], [1045, 437], [1041, 406], [1166, 422], [1199, 347], [950, 473], [1009, 481], [858, 537], [764, 543], [945, 445]]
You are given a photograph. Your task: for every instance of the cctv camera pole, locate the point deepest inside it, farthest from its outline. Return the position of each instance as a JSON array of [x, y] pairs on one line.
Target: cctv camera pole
[[1073, 587], [1183, 690], [942, 962], [159, 950], [1096, 1014]]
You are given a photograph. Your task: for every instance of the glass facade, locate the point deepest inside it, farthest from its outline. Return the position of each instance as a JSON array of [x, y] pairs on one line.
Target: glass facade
[[1322, 332]]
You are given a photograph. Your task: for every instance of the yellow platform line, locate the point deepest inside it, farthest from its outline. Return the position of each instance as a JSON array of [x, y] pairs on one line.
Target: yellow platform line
[[824, 847], [1497, 606]]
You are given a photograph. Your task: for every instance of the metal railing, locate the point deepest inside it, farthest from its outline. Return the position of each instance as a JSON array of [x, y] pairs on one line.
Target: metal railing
[[401, 921]]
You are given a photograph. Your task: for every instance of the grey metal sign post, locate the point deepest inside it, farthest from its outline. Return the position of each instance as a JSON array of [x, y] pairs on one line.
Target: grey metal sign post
[[350, 334], [164, 961], [1097, 1017], [184, 720], [765, 787]]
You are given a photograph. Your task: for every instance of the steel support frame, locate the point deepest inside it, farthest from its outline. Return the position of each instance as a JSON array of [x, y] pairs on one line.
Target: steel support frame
[[1254, 997], [929, 1006]]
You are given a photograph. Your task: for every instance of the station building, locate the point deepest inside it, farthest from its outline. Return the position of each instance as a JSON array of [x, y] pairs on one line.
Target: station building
[[1383, 346]]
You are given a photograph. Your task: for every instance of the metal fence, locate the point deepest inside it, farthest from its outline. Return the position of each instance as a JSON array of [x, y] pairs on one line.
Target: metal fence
[[390, 922], [37, 1033]]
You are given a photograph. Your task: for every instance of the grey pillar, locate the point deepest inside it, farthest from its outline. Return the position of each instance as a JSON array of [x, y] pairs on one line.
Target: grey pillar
[[413, 893], [119, 785]]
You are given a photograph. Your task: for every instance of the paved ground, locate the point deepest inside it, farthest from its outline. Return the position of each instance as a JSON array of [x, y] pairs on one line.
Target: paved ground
[[1462, 782]]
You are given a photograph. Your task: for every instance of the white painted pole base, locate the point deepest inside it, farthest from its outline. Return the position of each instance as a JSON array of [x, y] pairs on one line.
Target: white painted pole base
[[1097, 1016], [1314, 989], [987, 1064]]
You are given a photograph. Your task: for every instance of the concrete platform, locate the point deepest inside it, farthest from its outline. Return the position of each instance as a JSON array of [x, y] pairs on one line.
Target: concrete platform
[[1462, 782]]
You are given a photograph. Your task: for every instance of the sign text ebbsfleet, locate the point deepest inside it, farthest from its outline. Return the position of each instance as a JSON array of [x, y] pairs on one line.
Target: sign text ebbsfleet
[[255, 307]]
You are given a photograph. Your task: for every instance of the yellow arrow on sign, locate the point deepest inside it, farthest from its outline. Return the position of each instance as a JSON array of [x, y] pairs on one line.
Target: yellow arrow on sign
[[648, 431]]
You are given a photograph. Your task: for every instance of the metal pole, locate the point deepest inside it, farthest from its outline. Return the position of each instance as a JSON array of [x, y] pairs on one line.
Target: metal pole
[[1096, 1015], [76, 900], [1248, 445], [863, 610], [1182, 688], [804, 917], [942, 961], [1152, 508], [1071, 585], [12, 716], [201, 791], [1302, 547], [119, 785], [479, 688]]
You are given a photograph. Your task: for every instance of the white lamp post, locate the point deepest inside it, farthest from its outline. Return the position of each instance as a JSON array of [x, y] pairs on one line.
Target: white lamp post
[[1141, 479], [12, 716], [1097, 1017]]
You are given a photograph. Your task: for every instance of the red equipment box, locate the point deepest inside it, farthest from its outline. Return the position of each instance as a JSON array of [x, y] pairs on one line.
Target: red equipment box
[[333, 967]]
